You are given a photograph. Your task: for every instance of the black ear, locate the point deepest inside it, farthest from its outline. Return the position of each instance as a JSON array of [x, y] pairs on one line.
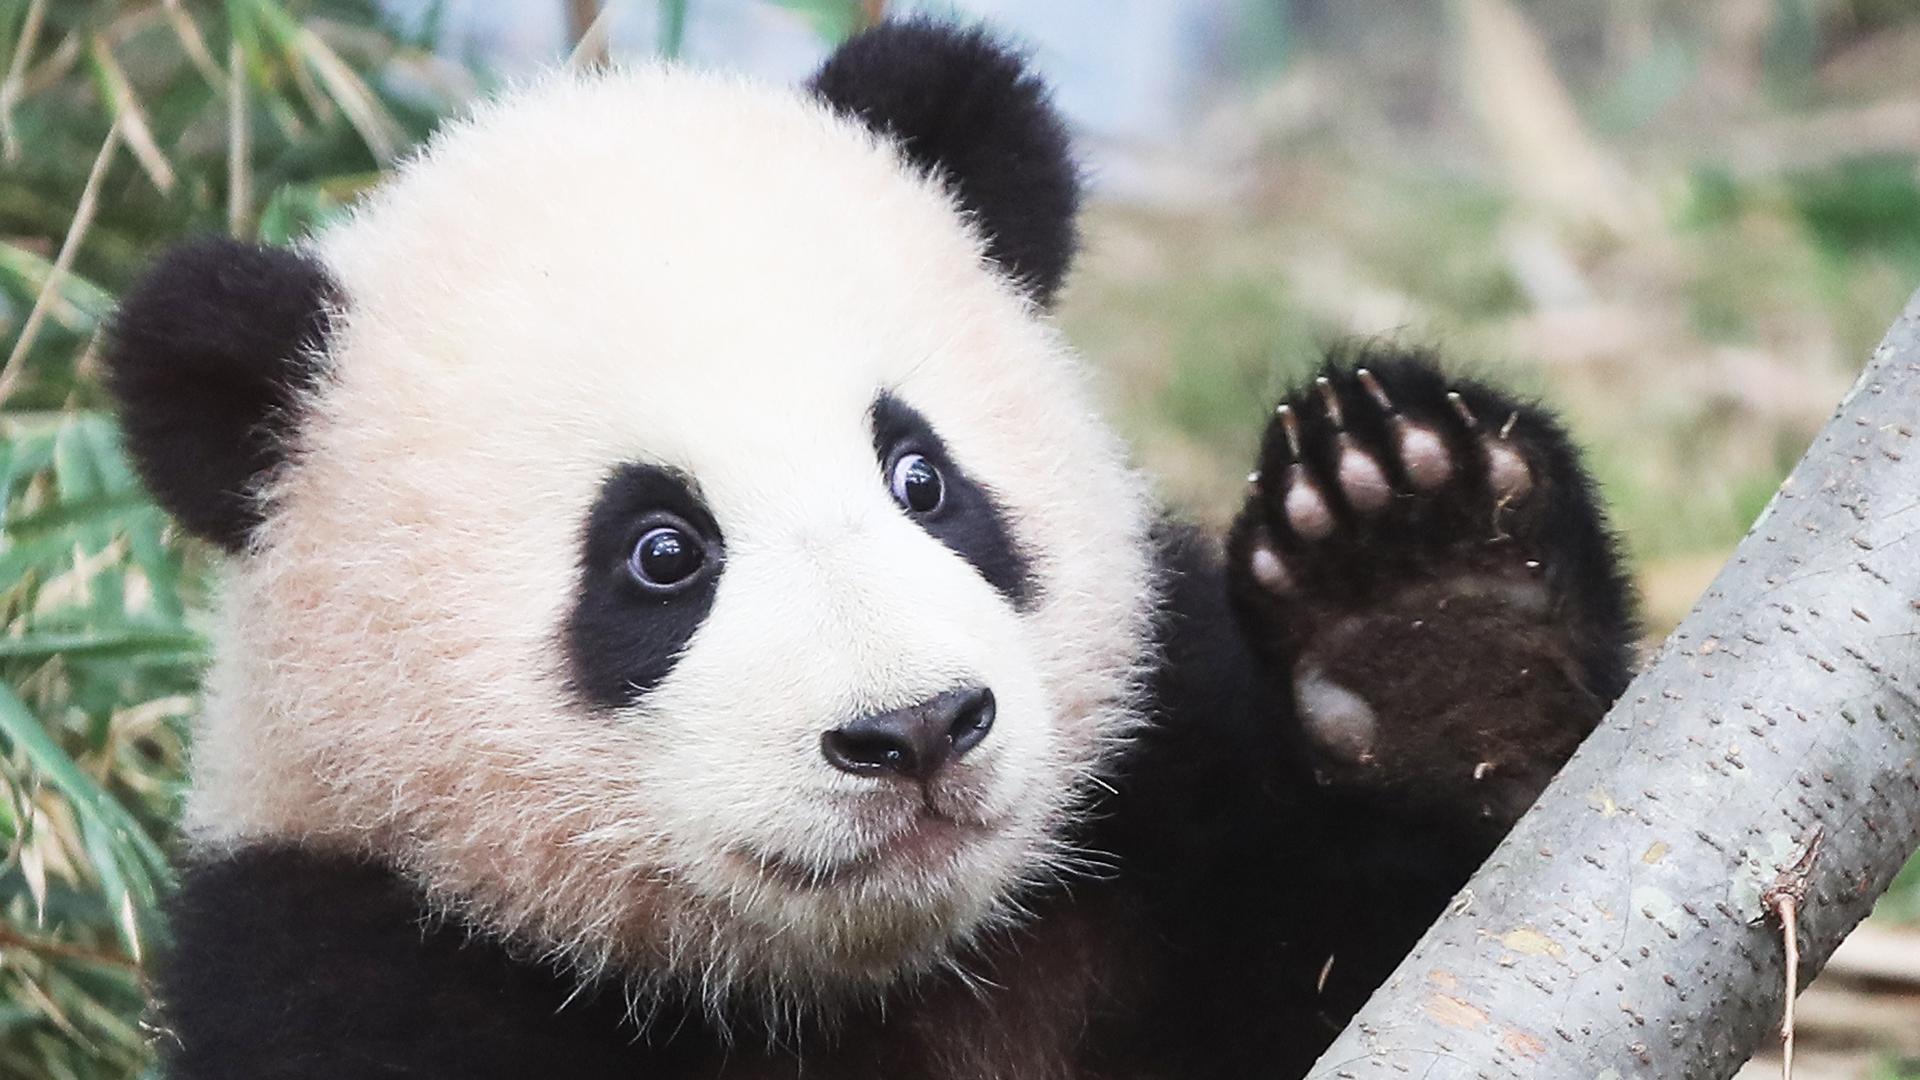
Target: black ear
[[966, 107], [205, 359]]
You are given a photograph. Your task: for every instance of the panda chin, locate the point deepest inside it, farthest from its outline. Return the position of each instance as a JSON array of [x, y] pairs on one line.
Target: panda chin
[[902, 905], [930, 847]]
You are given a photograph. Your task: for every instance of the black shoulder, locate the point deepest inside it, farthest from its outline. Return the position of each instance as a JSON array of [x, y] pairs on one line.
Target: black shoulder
[[290, 963], [967, 108]]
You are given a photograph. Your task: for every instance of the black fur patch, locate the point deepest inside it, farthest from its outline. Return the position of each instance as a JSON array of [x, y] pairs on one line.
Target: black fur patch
[[965, 107], [296, 964], [302, 965], [205, 359], [969, 521], [622, 639]]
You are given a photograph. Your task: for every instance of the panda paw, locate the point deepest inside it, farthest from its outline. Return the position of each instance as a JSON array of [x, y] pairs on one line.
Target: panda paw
[[1372, 473], [1422, 562]]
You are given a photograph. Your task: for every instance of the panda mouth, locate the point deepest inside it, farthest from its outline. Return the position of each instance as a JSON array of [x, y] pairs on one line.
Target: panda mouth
[[928, 844]]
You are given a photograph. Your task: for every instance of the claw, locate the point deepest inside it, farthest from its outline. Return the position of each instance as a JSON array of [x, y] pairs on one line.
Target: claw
[[1374, 390], [1325, 386], [1506, 429], [1290, 424], [1460, 406]]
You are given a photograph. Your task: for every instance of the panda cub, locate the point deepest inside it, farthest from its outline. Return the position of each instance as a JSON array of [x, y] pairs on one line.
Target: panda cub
[[685, 619]]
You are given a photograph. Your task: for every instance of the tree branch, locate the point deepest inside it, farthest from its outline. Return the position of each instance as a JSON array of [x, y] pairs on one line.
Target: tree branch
[[1623, 928]]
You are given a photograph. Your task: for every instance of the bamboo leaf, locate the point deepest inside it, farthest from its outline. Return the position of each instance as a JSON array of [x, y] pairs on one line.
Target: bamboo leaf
[[33, 867], [131, 118], [109, 458], [62, 262], [77, 304], [160, 645], [30, 449], [158, 562], [833, 20], [194, 44], [376, 127], [20, 728], [10, 86], [74, 472], [46, 557], [123, 507]]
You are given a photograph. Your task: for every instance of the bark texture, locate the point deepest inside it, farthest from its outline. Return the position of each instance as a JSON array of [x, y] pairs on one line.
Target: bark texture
[[1620, 930]]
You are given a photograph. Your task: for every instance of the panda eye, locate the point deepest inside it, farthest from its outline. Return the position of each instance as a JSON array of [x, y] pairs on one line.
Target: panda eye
[[667, 556], [916, 484]]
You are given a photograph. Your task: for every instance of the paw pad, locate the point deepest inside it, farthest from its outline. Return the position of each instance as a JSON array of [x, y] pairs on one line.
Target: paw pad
[[1429, 466], [1507, 472], [1267, 569], [1361, 479], [1339, 721], [1308, 512]]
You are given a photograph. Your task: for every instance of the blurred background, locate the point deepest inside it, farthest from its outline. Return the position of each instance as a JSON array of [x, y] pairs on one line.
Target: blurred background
[[1683, 222]]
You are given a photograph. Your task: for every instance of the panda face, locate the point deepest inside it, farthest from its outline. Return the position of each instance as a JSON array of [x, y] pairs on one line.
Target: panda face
[[696, 558]]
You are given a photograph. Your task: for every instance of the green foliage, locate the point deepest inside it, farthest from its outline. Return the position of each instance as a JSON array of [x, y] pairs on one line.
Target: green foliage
[[833, 20], [315, 121], [1792, 47], [120, 133], [1439, 240], [1652, 82], [1846, 234], [1902, 900], [98, 670], [1867, 206], [1896, 1069], [1236, 343]]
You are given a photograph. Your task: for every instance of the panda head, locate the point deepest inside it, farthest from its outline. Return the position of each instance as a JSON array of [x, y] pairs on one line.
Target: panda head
[[663, 521]]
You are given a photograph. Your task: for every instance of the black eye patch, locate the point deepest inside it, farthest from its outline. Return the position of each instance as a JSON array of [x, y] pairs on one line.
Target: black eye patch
[[622, 637], [968, 520]]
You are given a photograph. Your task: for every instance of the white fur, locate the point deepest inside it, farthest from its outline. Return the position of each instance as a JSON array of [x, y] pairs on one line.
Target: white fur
[[669, 267]]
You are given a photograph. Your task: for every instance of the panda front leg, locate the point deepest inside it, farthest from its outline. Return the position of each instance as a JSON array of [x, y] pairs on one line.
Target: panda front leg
[[1422, 563]]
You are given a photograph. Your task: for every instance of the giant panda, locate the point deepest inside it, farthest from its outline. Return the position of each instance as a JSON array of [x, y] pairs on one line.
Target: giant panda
[[684, 618]]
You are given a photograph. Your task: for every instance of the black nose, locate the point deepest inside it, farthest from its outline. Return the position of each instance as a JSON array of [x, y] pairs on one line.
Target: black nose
[[916, 741]]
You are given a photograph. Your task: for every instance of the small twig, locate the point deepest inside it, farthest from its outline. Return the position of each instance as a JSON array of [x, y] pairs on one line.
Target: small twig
[[587, 25], [10, 939], [194, 44], [1783, 900], [16, 74], [15, 365], [238, 151]]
